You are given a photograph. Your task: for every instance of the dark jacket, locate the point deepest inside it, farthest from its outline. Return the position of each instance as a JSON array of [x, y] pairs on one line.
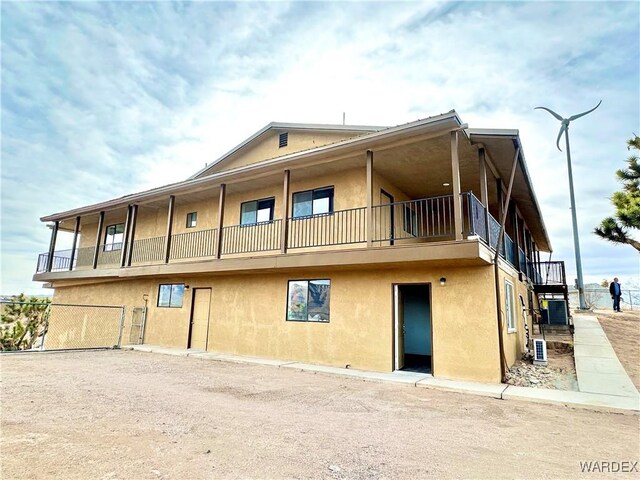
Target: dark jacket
[[612, 289]]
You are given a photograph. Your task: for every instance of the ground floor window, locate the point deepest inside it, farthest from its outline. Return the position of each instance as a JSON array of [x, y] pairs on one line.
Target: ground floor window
[[308, 300], [170, 295], [509, 306]]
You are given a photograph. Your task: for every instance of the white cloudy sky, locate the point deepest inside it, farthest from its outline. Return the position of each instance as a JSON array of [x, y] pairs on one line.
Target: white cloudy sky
[[95, 93]]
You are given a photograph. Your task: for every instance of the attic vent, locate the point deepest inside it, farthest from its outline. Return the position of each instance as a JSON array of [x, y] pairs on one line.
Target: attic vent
[[284, 140]]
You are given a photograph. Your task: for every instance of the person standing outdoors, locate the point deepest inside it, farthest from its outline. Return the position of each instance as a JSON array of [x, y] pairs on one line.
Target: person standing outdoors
[[616, 293]]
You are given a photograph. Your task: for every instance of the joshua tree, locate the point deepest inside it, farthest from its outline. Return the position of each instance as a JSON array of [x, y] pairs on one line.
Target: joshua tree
[[23, 320], [626, 202]]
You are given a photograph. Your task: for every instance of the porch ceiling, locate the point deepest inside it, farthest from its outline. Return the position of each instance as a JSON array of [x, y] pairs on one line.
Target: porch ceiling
[[501, 146], [421, 169]]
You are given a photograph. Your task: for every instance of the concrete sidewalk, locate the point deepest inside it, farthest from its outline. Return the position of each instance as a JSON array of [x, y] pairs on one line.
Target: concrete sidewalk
[[594, 401], [597, 366]]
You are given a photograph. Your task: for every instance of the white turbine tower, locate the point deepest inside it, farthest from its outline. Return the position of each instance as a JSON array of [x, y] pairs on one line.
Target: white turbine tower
[[576, 243]]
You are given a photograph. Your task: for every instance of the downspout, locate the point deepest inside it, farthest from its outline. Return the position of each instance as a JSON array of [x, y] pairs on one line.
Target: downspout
[[496, 269]]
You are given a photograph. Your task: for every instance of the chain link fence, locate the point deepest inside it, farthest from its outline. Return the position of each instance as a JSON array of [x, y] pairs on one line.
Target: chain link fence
[[44, 326]]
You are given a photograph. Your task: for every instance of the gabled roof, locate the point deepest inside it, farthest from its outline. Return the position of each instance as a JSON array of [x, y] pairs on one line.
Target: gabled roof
[[450, 118], [317, 127]]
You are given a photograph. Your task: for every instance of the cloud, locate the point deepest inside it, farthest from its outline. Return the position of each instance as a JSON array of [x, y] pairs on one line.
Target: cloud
[[94, 93]]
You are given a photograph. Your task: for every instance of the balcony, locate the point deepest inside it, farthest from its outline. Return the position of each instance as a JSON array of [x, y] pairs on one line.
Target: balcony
[[425, 220]]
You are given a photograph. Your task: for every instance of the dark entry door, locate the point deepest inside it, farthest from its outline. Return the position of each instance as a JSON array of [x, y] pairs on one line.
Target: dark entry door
[[414, 310]]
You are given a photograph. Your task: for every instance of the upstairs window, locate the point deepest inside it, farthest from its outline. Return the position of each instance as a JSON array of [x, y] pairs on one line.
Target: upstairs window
[[313, 202], [283, 140], [114, 235], [257, 211], [192, 219]]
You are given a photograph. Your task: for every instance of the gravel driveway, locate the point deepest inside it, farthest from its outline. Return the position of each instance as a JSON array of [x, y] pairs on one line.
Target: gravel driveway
[[116, 414]]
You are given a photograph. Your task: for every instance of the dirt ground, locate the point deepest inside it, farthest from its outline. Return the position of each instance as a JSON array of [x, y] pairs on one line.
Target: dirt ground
[[132, 415], [623, 331]]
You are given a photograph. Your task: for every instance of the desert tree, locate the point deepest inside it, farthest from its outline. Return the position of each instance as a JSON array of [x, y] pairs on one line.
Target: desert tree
[[23, 320], [626, 218]]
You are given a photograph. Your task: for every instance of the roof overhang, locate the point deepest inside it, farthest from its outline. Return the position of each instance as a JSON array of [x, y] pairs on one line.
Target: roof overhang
[[440, 123], [501, 145]]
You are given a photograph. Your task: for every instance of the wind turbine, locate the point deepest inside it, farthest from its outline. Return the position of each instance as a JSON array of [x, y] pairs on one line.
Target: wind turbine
[[576, 243]]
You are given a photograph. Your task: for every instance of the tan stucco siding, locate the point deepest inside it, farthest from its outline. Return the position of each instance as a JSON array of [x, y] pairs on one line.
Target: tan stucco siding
[[248, 318], [514, 341], [267, 147]]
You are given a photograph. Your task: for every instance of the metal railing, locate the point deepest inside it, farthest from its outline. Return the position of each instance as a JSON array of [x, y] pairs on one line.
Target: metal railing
[[255, 237], [336, 228], [110, 254], [414, 219], [552, 273], [147, 250], [405, 221], [201, 243]]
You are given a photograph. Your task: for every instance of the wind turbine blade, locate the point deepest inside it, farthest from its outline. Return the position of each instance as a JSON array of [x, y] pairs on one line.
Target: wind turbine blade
[[563, 128], [551, 112], [571, 119]]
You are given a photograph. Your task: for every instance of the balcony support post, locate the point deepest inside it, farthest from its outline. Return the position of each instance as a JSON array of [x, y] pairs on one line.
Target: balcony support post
[[284, 226], [74, 244], [132, 234], [484, 191], [52, 245], [455, 183], [125, 239], [496, 270], [369, 198], [516, 242], [98, 237], [167, 240], [223, 191]]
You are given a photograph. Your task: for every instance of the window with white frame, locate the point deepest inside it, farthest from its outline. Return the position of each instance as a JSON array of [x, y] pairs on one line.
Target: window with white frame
[[509, 306], [308, 300]]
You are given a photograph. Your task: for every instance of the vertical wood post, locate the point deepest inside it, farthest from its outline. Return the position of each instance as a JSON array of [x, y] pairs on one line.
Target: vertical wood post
[[132, 235], [484, 190], [223, 190], [455, 177], [369, 198], [52, 245], [98, 237], [284, 226], [167, 240], [516, 241], [125, 239], [76, 230]]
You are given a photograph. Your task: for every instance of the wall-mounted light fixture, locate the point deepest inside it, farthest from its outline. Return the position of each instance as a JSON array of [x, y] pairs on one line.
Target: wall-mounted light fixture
[[443, 281]]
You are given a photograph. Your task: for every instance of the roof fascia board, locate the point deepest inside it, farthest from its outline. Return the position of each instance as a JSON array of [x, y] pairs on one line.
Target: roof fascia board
[[348, 145]]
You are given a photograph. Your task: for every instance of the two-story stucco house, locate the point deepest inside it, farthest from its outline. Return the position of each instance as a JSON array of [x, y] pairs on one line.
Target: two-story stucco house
[[338, 245]]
